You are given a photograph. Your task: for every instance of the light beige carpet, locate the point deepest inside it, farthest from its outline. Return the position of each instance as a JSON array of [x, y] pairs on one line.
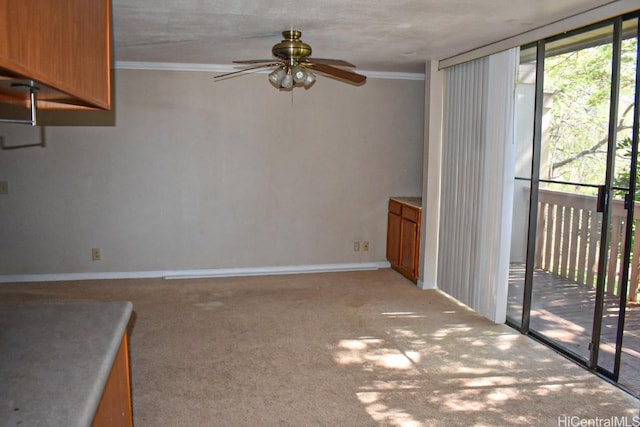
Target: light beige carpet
[[336, 349]]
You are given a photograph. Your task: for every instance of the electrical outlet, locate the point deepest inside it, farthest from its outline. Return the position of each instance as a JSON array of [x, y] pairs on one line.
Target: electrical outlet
[[4, 187], [96, 254], [356, 245], [365, 246]]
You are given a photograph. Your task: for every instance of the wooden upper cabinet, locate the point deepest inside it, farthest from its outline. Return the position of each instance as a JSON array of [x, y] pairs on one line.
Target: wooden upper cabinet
[[62, 45]]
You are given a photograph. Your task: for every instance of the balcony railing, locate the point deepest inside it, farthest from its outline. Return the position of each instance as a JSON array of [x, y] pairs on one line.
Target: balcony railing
[[568, 240]]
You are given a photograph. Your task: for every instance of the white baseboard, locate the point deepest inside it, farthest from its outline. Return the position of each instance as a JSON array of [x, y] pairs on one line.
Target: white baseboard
[[191, 274], [426, 285]]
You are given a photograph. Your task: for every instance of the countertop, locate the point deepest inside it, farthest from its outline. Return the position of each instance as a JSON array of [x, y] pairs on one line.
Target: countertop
[[55, 359], [412, 201]]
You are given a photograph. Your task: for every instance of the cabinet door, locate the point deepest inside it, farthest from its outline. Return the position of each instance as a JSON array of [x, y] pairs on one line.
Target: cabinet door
[[393, 238], [63, 45], [408, 250]]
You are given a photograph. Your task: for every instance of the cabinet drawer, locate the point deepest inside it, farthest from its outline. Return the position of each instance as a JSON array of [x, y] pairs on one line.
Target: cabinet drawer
[[411, 213], [395, 207]]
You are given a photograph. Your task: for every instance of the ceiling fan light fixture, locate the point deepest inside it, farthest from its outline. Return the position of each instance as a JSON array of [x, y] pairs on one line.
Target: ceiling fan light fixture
[[309, 79], [299, 74], [277, 76], [287, 81]]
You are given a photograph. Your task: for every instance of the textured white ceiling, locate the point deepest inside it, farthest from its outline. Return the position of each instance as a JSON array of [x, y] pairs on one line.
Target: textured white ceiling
[[376, 35]]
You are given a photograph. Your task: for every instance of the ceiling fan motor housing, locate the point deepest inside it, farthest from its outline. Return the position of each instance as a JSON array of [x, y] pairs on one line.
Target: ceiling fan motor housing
[[291, 49]]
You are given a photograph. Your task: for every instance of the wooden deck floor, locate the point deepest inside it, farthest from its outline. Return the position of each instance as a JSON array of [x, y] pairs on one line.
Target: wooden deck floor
[[562, 310]]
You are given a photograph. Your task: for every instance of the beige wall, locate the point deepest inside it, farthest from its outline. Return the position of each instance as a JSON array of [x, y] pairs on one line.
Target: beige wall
[[204, 175]]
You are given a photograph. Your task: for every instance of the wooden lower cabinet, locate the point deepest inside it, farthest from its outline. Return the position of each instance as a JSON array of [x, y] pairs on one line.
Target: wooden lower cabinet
[[115, 407], [409, 248], [403, 238], [394, 227]]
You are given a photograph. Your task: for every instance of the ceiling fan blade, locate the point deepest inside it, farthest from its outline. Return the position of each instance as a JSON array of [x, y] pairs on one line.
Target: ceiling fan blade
[[339, 73], [222, 76], [327, 61], [253, 61]]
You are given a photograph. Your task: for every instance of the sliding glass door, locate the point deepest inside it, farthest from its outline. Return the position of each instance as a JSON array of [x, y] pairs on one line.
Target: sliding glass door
[[619, 350], [574, 181], [574, 275]]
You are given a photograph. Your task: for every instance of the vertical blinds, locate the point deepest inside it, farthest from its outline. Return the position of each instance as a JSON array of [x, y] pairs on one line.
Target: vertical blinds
[[477, 182]]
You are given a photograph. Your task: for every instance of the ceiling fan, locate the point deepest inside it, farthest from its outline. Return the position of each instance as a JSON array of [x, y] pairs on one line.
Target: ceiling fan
[[294, 66]]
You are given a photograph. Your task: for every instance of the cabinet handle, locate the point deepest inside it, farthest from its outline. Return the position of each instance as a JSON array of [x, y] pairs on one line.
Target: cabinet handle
[[34, 105]]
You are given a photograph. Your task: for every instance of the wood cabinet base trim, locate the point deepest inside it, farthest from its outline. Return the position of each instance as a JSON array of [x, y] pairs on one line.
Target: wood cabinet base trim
[[115, 407]]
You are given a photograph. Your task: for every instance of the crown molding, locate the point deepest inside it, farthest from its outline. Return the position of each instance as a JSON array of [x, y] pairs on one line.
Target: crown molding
[[225, 68]]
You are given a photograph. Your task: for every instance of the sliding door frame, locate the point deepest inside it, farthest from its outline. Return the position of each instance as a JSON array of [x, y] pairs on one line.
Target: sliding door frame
[[605, 238], [524, 326], [533, 194], [630, 206]]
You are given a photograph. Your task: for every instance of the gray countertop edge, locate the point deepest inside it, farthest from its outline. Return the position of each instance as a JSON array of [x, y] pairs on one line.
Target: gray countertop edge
[[57, 357], [412, 201]]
